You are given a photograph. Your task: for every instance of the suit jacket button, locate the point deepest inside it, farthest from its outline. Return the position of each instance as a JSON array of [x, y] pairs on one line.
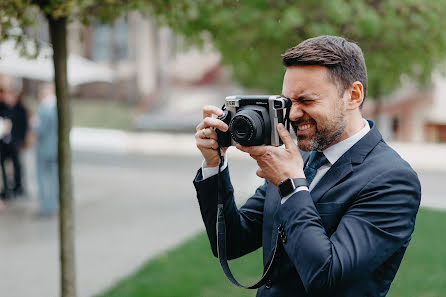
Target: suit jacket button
[[283, 238], [280, 228], [268, 284]]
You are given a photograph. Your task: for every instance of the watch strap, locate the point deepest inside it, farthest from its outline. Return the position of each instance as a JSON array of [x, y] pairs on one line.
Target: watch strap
[[299, 182]]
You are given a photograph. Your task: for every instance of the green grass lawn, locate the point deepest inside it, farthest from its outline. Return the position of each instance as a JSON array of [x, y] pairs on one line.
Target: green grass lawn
[[191, 270], [102, 114]]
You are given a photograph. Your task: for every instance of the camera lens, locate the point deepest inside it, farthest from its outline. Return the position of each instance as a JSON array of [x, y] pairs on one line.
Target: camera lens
[[242, 128], [247, 128]]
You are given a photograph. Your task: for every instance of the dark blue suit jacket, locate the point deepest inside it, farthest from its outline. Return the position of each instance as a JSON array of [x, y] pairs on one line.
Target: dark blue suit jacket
[[346, 238]]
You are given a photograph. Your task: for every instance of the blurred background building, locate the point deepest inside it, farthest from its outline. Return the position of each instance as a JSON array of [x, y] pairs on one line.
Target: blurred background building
[[412, 114]]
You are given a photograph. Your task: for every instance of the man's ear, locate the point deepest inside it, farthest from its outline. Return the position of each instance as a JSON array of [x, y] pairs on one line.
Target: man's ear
[[356, 95]]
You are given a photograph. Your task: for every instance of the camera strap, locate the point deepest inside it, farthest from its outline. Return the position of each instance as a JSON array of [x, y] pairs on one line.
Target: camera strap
[[221, 232], [287, 119], [221, 242]]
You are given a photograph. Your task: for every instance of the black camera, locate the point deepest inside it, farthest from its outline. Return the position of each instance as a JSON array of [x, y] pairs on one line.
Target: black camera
[[253, 120]]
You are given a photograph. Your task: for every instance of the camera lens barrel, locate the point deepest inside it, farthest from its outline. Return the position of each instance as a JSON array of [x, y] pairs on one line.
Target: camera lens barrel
[[247, 128]]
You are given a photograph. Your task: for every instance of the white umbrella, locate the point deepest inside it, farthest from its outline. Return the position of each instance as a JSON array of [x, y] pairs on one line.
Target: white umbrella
[[80, 70]]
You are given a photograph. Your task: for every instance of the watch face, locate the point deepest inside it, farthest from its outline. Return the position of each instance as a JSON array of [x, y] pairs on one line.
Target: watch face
[[286, 187]]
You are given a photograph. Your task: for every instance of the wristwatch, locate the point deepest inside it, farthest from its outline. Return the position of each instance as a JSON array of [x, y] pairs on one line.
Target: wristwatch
[[288, 186]]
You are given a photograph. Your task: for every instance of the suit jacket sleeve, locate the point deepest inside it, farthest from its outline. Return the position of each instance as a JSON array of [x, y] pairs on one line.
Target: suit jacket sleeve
[[243, 226], [378, 222]]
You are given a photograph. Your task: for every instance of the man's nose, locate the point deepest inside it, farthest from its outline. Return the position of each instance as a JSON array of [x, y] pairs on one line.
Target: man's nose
[[296, 112]]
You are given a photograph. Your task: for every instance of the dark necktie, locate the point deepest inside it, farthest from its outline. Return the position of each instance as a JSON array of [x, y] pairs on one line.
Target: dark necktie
[[316, 160]]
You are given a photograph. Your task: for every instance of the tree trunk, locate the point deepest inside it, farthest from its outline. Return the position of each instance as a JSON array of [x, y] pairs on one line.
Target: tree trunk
[[58, 33]]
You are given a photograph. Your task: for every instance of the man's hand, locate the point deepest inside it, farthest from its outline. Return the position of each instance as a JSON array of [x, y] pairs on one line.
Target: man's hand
[[277, 163], [206, 137]]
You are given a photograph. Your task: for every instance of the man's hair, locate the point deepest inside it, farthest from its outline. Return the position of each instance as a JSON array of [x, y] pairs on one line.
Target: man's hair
[[344, 59]]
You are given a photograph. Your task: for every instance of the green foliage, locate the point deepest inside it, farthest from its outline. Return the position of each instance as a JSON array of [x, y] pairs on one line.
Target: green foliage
[[397, 36]]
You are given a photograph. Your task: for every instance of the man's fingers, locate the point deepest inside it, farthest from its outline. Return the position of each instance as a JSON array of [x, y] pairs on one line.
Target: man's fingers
[[286, 137], [212, 123], [207, 133], [206, 143], [211, 134], [260, 173], [253, 150], [209, 110]]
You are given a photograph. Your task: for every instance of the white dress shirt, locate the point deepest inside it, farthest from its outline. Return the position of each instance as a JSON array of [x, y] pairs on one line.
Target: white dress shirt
[[207, 172]]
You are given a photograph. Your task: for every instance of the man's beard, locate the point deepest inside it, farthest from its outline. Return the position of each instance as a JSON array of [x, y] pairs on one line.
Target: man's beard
[[323, 136]]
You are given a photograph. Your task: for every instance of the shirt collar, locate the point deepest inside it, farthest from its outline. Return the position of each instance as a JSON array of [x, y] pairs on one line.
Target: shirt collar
[[334, 152]]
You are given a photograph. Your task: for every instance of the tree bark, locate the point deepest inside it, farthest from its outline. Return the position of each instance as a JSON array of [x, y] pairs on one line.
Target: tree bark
[[58, 33]]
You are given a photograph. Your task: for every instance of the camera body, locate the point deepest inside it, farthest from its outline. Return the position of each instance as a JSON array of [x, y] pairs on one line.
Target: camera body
[[253, 119]]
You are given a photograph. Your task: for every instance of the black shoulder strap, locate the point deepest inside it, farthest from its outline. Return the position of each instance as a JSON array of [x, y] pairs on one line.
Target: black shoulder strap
[[221, 244], [221, 250]]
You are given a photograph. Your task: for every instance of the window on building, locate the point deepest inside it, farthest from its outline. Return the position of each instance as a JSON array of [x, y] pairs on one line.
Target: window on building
[[395, 128], [109, 42]]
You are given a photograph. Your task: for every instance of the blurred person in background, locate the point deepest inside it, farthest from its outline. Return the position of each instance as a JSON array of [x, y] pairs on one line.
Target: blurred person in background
[[12, 110], [5, 124], [45, 127]]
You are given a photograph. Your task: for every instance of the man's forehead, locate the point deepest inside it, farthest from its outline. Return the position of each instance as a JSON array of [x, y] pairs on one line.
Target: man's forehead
[[304, 88], [303, 94], [307, 81]]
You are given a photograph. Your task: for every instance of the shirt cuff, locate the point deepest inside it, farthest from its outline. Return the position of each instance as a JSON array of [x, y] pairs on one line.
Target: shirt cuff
[[298, 189], [207, 172]]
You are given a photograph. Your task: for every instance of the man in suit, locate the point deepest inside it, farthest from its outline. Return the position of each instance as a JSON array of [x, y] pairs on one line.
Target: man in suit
[[345, 233]]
